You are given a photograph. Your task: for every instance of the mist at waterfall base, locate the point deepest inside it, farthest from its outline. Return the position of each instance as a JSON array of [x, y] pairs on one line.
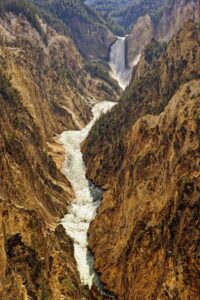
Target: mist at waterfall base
[[87, 197], [117, 62]]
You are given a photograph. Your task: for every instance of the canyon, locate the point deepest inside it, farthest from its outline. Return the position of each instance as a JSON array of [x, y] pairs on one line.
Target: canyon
[[146, 159], [99, 151], [45, 89]]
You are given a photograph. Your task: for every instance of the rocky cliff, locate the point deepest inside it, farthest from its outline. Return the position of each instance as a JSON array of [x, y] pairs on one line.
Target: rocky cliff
[[171, 19], [140, 35], [174, 17], [35, 65], [45, 88], [145, 238], [36, 256]]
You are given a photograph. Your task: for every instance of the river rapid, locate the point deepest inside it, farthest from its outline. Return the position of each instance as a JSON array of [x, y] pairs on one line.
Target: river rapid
[[83, 208]]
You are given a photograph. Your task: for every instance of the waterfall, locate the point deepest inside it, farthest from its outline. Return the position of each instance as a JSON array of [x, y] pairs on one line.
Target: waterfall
[[117, 62], [83, 209]]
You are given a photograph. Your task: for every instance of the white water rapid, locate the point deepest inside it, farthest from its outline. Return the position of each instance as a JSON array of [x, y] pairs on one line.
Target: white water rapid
[[117, 62], [83, 208]]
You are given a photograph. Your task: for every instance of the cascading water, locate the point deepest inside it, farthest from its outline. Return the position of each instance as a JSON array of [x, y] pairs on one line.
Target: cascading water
[[83, 209], [118, 62]]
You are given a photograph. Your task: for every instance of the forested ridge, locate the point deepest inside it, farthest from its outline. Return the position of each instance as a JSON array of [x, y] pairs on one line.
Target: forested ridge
[[68, 10], [31, 12], [126, 12], [73, 18]]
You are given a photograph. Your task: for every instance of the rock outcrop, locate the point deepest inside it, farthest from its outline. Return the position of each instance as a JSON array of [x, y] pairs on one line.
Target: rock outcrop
[[93, 41], [140, 35], [174, 17], [145, 154]]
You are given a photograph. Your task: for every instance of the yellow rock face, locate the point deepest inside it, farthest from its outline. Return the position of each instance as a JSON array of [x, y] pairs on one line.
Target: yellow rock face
[[36, 256], [49, 75], [145, 235], [38, 100]]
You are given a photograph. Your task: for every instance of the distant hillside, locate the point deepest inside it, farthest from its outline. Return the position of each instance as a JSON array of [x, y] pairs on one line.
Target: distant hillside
[[109, 7], [161, 26], [126, 12], [137, 8], [90, 31]]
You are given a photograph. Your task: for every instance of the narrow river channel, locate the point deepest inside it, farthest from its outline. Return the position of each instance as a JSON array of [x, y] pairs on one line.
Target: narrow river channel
[[83, 209]]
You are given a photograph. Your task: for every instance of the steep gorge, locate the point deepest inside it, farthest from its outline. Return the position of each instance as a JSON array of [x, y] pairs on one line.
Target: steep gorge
[[35, 66], [44, 89], [33, 196], [144, 154], [83, 209], [145, 238]]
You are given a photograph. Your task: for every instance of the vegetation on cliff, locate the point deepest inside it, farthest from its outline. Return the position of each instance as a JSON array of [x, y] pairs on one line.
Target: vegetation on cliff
[[84, 24], [42, 92], [157, 58], [145, 155], [32, 12], [99, 70], [24, 8], [127, 12], [6, 90], [67, 10]]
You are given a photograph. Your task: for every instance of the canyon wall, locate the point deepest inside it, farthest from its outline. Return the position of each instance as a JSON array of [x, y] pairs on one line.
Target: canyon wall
[[49, 74], [36, 255], [145, 155], [149, 212], [140, 35], [44, 89], [171, 20]]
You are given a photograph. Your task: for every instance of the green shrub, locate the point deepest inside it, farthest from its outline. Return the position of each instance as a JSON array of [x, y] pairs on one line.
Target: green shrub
[[7, 92], [99, 70], [24, 8], [153, 50]]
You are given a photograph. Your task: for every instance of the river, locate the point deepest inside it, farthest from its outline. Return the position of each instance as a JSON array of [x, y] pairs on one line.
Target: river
[[83, 208], [87, 197]]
